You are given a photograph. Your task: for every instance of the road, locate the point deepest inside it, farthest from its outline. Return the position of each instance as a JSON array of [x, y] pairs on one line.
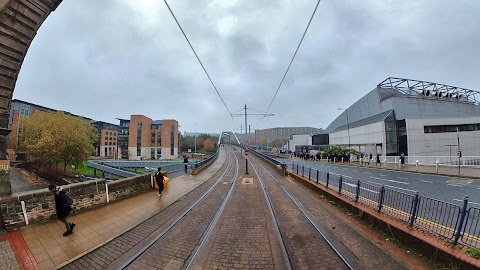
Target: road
[[444, 188]]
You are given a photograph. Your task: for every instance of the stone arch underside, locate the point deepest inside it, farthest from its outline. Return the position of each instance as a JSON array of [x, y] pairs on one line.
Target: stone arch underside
[[19, 23]]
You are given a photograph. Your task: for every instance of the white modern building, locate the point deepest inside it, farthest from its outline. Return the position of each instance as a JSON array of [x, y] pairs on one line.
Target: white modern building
[[413, 117], [299, 139]]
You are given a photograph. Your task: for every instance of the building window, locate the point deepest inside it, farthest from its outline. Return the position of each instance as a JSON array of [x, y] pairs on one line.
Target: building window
[[451, 128]]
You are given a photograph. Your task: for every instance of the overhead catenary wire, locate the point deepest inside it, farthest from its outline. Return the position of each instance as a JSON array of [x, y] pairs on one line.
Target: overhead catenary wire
[[196, 55], [291, 61]]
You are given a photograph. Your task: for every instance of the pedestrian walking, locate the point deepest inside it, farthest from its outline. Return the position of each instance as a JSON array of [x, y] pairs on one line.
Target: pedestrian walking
[[402, 159], [378, 158], [185, 162], [159, 179], [63, 207], [371, 158]]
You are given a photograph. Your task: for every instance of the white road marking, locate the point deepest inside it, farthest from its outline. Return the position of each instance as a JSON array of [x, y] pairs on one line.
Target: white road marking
[[394, 181], [393, 187], [425, 181], [399, 177], [368, 172], [382, 175], [469, 202], [342, 175], [453, 185], [357, 171]]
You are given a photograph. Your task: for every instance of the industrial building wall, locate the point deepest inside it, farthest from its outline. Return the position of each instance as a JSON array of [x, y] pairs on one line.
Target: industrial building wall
[[436, 144], [364, 139]]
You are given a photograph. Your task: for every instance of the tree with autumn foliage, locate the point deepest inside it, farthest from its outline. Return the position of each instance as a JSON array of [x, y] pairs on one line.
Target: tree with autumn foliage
[[209, 145], [55, 138]]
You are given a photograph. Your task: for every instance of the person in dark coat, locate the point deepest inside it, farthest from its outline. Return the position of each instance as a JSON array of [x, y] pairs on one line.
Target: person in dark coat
[[62, 208], [185, 162], [159, 179]]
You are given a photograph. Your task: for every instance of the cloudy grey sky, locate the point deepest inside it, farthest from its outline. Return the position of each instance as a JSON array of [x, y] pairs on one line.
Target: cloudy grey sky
[[112, 58]]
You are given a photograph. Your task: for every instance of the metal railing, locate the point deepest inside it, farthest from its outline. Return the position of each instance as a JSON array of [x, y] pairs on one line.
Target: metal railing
[[466, 161], [451, 221]]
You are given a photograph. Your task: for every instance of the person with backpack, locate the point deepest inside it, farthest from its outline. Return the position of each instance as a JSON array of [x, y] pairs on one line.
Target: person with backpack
[[159, 179], [63, 207]]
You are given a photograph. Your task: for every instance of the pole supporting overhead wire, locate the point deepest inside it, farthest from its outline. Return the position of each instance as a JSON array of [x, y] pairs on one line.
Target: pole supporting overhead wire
[[291, 61], [196, 55]]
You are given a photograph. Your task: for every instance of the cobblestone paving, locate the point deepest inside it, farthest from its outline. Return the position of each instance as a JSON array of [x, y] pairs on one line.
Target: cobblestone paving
[[7, 257], [307, 249], [109, 253], [174, 248], [243, 237], [360, 251]]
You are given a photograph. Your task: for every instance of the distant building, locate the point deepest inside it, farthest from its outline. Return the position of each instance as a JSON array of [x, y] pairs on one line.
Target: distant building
[[20, 108], [148, 139], [282, 133], [413, 117], [107, 145]]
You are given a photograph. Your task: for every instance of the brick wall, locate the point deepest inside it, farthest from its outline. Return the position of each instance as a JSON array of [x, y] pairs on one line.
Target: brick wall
[[40, 205]]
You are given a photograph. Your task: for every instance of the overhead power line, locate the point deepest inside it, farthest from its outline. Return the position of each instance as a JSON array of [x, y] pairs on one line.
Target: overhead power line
[[291, 61], [196, 55]]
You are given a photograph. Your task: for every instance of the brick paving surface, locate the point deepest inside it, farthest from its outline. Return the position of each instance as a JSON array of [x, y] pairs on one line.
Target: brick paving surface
[[112, 251], [244, 237], [360, 252]]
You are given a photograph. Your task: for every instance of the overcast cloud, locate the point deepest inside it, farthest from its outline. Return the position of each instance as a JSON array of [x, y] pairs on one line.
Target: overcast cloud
[[109, 59]]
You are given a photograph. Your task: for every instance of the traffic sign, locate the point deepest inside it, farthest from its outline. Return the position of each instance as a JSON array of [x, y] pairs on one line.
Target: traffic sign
[[246, 152]]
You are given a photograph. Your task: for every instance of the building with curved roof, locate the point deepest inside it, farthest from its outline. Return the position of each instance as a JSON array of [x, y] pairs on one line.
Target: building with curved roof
[[413, 117]]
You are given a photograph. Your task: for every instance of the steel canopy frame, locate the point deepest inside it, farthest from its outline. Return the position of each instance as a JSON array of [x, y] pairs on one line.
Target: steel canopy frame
[[417, 88]]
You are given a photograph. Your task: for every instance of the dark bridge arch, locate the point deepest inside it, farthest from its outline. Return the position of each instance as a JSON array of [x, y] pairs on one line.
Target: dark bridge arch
[[19, 23]]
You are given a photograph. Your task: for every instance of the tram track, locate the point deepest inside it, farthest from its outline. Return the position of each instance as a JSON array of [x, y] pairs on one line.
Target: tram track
[[177, 244], [303, 231]]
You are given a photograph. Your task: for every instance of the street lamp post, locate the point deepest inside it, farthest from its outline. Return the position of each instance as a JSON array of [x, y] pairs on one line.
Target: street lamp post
[[348, 132], [195, 138]]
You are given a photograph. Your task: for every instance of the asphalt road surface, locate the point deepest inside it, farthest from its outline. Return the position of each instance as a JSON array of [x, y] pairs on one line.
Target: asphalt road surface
[[444, 188]]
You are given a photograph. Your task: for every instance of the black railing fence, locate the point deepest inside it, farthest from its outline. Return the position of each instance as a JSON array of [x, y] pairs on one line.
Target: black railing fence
[[457, 223]]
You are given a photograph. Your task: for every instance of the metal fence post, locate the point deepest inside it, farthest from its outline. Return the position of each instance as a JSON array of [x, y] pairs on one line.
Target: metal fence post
[[303, 170], [462, 219], [318, 172], [413, 213], [297, 169], [380, 199], [357, 194], [340, 185], [309, 172], [328, 178]]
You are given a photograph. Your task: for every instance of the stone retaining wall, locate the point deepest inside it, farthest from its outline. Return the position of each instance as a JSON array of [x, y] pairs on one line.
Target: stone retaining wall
[[40, 205]]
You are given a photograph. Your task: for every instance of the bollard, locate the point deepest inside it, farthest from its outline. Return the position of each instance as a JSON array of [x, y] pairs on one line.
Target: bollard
[[340, 185], [399, 164], [416, 165], [357, 194], [328, 178], [342, 159], [436, 166], [385, 163], [334, 159], [414, 209]]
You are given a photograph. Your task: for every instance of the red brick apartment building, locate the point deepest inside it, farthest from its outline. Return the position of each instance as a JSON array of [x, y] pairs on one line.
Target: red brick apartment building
[[139, 138]]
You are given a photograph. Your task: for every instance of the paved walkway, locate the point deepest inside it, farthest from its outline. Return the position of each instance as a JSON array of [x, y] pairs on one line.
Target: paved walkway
[[42, 246]]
